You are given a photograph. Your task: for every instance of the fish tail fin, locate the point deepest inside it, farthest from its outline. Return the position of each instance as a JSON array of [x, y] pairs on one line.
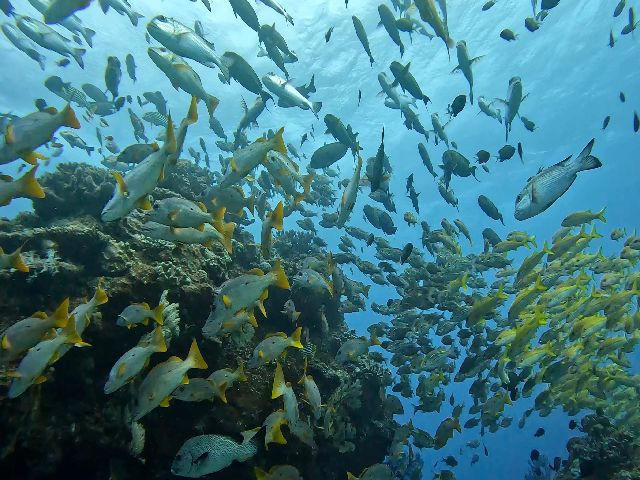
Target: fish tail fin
[[69, 117], [17, 261], [307, 180], [100, 297], [295, 338], [227, 234], [170, 142], [212, 104], [196, 357], [278, 382], [88, 35], [316, 107], [278, 142], [29, 186], [277, 217], [351, 476], [218, 218], [260, 474], [281, 277], [374, 340], [77, 55], [545, 249], [157, 340], [240, 372], [471, 95], [192, 115], [71, 334], [134, 17], [366, 290], [331, 263], [60, 317], [600, 215], [586, 161], [252, 203], [158, 314]]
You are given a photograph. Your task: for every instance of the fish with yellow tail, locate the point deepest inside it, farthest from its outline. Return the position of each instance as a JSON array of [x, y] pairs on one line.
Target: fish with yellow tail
[[163, 379], [133, 189], [311, 393], [26, 333], [286, 175], [272, 220], [133, 361], [32, 366], [13, 260], [278, 472], [140, 313], [355, 347], [24, 135], [379, 471], [349, 195], [246, 159], [244, 292], [24, 187], [273, 346]]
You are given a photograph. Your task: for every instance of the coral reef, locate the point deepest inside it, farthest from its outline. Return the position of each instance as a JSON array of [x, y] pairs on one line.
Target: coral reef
[[606, 451], [68, 428]]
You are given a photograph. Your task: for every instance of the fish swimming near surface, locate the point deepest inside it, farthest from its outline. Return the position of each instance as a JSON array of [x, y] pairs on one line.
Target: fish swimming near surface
[[547, 186]]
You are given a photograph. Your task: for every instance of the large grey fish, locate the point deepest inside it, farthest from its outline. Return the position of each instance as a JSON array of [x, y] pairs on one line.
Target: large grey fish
[[250, 114], [71, 23], [23, 43], [183, 41], [362, 36], [242, 72], [207, 454], [388, 21], [544, 188], [464, 65], [48, 38], [113, 75], [512, 103], [244, 10], [287, 92]]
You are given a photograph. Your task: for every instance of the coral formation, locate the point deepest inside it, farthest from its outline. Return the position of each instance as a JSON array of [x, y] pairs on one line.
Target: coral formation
[[67, 427]]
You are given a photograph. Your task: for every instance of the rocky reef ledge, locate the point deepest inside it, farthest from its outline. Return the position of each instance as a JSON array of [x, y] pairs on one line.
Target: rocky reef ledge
[[68, 428]]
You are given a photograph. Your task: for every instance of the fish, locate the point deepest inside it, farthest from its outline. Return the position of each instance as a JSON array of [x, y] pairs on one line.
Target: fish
[[465, 62], [489, 208], [243, 292], [156, 388], [388, 21], [113, 75], [23, 43], [487, 109], [288, 94], [407, 81], [75, 141], [140, 313], [32, 366], [290, 311], [123, 8], [24, 135], [547, 186], [130, 63], [244, 10], [508, 35], [327, 36], [272, 220], [182, 76], [577, 219], [269, 349], [24, 187], [205, 454], [350, 350], [328, 154], [48, 38], [429, 14], [13, 260], [278, 472], [406, 252], [206, 234], [179, 212], [512, 103], [361, 33], [349, 195], [133, 361], [279, 9], [133, 188], [184, 42]]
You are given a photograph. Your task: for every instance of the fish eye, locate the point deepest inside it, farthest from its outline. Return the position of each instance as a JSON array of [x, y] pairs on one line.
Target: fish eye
[[519, 197], [162, 18]]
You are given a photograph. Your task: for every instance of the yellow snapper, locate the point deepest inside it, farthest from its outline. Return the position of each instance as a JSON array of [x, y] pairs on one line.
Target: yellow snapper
[[273, 346], [26, 333], [179, 212], [283, 389], [272, 220], [312, 280], [134, 360], [205, 235], [25, 134], [353, 348], [163, 379], [246, 159], [311, 393], [13, 260], [25, 187], [278, 472], [285, 173], [140, 313], [225, 378], [243, 293], [45, 353]]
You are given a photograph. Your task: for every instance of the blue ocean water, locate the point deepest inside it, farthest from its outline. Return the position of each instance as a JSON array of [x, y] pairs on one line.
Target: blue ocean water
[[572, 79]]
